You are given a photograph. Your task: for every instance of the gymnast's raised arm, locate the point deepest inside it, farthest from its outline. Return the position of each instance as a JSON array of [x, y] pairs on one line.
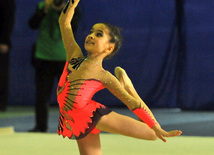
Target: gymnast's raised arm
[[71, 46]]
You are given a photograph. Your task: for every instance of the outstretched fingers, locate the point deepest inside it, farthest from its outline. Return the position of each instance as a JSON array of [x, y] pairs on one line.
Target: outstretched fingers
[[169, 134], [162, 138], [174, 133], [160, 133]]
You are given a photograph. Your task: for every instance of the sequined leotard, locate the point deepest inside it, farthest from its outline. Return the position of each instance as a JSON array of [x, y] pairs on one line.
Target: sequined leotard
[[79, 114], [78, 117]]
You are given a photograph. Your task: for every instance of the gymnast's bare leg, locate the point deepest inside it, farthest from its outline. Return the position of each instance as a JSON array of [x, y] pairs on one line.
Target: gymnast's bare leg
[[115, 123], [90, 145]]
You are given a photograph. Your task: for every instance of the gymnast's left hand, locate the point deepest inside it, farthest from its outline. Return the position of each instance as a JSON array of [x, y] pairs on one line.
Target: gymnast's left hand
[[160, 133]]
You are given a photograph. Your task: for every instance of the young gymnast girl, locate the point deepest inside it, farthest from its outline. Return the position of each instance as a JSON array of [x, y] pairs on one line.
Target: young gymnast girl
[[83, 119]]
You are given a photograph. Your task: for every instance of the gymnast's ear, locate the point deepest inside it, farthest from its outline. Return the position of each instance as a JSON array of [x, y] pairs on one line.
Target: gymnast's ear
[[110, 48]]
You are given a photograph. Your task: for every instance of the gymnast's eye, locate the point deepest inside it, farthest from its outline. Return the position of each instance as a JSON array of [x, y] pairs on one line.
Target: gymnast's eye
[[99, 34], [91, 31]]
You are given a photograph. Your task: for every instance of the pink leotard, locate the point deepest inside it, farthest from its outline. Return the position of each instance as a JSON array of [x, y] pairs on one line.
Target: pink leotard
[[82, 114]]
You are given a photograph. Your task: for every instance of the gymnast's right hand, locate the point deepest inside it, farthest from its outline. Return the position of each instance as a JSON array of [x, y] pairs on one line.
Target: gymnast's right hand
[[160, 133], [75, 3]]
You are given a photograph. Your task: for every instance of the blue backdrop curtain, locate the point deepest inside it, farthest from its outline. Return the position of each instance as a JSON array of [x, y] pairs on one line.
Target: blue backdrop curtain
[[167, 50]]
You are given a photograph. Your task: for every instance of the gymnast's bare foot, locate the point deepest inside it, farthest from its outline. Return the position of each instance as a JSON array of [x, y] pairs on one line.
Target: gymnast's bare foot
[[121, 75]]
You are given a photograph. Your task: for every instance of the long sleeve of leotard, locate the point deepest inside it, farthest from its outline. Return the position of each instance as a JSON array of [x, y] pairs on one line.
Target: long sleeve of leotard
[[71, 46], [113, 85]]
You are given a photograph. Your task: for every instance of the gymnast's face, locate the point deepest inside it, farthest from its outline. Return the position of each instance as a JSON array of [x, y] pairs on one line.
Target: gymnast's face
[[98, 40]]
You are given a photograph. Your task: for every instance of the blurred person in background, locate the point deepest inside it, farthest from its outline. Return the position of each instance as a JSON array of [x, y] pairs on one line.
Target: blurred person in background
[[48, 57], [7, 21]]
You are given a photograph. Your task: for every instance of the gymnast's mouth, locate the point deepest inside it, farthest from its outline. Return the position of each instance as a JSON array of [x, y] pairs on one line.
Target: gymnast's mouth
[[89, 42]]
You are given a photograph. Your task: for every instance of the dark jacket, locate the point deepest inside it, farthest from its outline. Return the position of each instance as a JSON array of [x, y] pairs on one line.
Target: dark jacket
[[7, 20]]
